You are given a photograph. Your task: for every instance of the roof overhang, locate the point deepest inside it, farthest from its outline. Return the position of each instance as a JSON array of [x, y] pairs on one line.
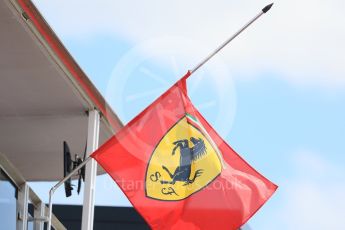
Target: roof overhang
[[44, 95]]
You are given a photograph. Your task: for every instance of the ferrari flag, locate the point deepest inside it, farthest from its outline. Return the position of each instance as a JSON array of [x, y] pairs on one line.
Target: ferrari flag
[[178, 173]]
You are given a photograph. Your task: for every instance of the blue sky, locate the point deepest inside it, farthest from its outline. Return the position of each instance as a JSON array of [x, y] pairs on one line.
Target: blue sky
[[276, 94]]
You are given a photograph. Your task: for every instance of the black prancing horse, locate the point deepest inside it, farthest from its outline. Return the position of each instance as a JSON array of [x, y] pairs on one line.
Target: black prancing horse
[[187, 156]]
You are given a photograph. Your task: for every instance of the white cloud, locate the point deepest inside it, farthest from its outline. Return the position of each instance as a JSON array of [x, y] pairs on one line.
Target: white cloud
[[314, 199], [315, 206], [302, 41]]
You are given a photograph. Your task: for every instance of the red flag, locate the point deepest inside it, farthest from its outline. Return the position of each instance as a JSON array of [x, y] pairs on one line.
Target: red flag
[[178, 173]]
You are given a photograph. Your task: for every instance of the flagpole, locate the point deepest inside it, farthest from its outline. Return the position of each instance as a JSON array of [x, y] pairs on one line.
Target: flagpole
[[263, 11]]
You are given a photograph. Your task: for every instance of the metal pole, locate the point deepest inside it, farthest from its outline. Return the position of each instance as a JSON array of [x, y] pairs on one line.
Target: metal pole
[[90, 172], [39, 216], [22, 207], [53, 189], [263, 11]]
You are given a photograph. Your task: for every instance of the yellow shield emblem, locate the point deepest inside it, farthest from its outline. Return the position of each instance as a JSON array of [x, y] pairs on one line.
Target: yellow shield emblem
[[183, 162]]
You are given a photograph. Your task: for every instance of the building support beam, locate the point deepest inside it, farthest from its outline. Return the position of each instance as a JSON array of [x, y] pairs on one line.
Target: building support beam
[[91, 171], [39, 214], [22, 207]]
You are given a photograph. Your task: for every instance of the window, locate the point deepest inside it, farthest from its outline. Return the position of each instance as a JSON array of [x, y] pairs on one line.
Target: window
[[8, 200]]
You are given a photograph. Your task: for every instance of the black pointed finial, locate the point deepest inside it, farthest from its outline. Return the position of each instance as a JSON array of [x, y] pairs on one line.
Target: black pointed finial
[[267, 8]]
